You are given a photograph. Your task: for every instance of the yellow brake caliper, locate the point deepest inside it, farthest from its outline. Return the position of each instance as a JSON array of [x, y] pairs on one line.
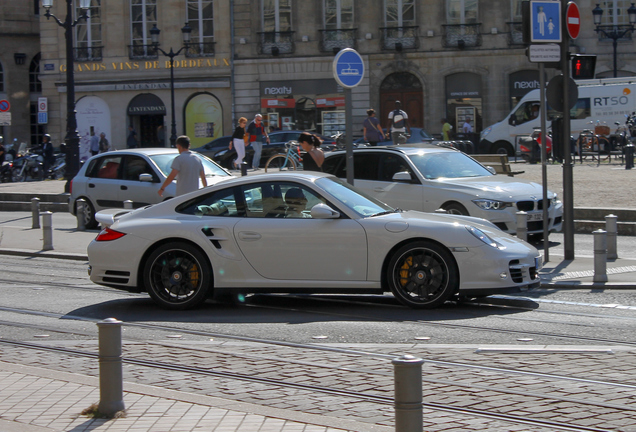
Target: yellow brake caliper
[[404, 271]]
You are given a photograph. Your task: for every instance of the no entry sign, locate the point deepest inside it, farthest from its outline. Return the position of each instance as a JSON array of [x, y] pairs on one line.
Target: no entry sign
[[573, 20]]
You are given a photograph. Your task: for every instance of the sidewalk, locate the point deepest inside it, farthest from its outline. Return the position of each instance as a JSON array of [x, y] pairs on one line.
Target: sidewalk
[[34, 399]]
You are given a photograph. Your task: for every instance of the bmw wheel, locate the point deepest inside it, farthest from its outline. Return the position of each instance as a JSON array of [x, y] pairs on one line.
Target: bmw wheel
[[177, 276], [422, 275], [455, 209]]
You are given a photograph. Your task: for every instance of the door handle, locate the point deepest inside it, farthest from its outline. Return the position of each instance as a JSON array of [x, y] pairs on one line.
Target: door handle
[[249, 236], [91, 185], [122, 187]]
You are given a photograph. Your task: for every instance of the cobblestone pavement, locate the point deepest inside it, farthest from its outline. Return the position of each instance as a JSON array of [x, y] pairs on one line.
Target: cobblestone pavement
[[576, 402]]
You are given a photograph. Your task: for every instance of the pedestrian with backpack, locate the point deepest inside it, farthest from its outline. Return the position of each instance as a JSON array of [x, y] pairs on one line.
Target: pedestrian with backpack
[[398, 123]]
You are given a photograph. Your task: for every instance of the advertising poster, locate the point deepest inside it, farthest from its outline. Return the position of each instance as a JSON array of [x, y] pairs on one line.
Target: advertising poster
[[93, 113], [204, 119]]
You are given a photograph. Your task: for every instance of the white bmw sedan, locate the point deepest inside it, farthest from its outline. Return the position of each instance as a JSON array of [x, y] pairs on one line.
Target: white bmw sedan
[[431, 177], [302, 233]]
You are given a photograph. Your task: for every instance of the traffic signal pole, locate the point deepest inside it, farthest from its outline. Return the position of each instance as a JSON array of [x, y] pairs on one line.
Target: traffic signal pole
[[568, 188]]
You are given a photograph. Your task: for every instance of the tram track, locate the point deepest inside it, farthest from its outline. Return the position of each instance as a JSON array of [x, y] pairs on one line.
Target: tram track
[[359, 396]]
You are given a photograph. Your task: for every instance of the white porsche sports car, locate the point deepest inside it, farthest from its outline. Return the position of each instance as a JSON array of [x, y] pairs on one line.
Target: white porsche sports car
[[303, 233]]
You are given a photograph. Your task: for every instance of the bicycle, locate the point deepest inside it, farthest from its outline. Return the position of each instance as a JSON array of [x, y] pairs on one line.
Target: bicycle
[[290, 160], [593, 143]]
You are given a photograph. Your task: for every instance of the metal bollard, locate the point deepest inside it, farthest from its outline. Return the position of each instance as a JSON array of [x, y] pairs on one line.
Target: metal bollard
[[522, 225], [47, 231], [611, 226], [35, 212], [629, 156], [111, 379], [128, 204], [80, 210], [600, 256], [244, 169], [407, 373]]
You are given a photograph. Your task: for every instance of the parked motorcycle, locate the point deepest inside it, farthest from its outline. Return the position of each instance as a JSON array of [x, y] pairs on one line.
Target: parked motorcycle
[[31, 165], [58, 168], [5, 172]]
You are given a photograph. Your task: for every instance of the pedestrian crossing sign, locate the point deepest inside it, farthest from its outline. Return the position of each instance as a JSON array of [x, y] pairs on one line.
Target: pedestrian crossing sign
[[545, 21]]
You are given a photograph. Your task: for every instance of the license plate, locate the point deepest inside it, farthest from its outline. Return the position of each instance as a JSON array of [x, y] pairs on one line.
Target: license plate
[[534, 217]]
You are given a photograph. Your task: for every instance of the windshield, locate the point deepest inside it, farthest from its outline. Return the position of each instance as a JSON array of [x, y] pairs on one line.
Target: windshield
[[362, 204], [164, 162], [447, 165]]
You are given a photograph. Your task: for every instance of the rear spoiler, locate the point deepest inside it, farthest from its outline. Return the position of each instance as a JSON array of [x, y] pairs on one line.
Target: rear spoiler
[[109, 216]]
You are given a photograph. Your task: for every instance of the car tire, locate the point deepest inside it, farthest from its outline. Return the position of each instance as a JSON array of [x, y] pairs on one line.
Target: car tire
[[88, 215], [177, 276], [422, 275], [502, 147], [455, 209]]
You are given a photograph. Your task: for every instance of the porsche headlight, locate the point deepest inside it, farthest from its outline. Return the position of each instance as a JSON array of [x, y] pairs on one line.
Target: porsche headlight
[[484, 237], [487, 204]]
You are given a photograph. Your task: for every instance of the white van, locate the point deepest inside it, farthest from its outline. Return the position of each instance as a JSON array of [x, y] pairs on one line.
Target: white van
[[601, 100]]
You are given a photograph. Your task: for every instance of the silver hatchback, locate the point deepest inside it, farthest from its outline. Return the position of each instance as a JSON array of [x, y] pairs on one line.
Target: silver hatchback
[[108, 179]]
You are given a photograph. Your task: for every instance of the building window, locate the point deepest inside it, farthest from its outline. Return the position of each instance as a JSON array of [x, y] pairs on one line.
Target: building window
[[339, 32], [400, 31], [88, 33], [615, 12], [143, 16], [35, 85], [276, 37], [515, 36], [37, 130], [462, 29], [201, 19], [461, 11], [338, 14], [1, 78], [36, 7]]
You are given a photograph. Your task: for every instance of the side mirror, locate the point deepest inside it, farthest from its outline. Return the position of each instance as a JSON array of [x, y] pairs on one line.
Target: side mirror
[[402, 176], [323, 211], [145, 178], [512, 121], [491, 169]]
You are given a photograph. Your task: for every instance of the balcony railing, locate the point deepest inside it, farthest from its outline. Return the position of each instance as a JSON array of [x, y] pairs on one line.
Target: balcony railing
[[142, 52], [276, 42], [332, 40], [88, 53], [461, 35], [200, 49], [515, 33], [400, 38]]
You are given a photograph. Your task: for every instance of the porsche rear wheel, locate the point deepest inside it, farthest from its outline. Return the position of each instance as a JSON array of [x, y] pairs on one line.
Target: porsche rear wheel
[[177, 276], [423, 275]]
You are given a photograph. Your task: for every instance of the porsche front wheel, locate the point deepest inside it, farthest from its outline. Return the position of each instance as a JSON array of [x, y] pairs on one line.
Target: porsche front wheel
[[177, 276], [422, 275]]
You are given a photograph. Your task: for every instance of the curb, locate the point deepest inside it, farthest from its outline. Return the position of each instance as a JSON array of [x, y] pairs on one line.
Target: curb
[[44, 254]]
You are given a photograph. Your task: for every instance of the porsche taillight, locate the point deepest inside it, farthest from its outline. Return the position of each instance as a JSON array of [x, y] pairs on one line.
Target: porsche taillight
[[108, 234]]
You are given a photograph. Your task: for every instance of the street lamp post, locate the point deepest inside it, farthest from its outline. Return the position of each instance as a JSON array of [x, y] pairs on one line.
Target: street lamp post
[[154, 34], [614, 32], [72, 138]]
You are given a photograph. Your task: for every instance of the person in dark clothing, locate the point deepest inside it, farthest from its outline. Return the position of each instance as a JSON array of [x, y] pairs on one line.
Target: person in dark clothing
[[131, 141], [239, 142], [47, 153], [313, 159]]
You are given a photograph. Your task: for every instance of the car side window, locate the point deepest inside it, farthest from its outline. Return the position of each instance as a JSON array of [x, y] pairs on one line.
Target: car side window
[[279, 200], [335, 165], [134, 166], [391, 164], [107, 168], [365, 166], [219, 203]]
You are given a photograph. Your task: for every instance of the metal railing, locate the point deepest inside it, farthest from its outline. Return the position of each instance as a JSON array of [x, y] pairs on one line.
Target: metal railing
[[400, 38], [200, 49], [140, 52], [515, 35], [276, 42], [337, 39], [88, 53], [461, 35]]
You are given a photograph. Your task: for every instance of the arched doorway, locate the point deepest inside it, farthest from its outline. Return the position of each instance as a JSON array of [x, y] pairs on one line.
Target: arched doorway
[[203, 119], [406, 88], [146, 112]]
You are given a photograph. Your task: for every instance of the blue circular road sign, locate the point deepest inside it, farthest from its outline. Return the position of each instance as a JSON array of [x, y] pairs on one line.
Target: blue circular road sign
[[348, 68]]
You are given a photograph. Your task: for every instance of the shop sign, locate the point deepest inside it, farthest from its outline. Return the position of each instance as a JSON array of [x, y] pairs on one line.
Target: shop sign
[[330, 102], [278, 103], [298, 87]]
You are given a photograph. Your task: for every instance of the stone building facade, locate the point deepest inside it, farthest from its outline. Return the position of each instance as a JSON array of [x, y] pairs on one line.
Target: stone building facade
[[19, 63], [455, 59]]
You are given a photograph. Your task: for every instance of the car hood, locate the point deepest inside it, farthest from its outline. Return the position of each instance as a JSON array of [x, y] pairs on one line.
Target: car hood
[[498, 187]]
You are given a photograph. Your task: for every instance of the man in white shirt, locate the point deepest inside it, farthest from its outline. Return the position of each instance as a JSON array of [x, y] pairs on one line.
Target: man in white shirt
[[187, 167], [467, 128], [398, 123]]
